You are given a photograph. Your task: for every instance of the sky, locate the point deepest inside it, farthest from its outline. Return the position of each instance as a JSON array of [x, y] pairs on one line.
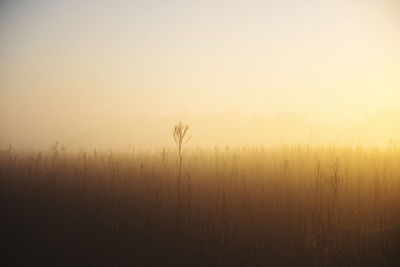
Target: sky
[[118, 73]]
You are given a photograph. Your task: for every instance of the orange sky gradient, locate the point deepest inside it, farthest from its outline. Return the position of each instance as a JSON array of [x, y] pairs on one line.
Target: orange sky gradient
[[110, 74]]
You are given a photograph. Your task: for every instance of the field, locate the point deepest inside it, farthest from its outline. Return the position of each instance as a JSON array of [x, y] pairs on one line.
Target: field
[[233, 206]]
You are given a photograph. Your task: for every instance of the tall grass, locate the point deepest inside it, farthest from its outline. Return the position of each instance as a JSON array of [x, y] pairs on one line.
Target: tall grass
[[243, 206]]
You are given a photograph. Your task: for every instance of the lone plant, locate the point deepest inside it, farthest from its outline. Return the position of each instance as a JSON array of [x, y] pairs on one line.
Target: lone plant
[[180, 138]]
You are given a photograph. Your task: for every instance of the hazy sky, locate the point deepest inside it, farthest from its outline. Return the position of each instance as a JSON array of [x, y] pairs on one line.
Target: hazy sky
[[106, 71]]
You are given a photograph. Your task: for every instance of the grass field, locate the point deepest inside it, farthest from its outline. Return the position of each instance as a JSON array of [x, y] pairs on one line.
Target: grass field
[[249, 206]]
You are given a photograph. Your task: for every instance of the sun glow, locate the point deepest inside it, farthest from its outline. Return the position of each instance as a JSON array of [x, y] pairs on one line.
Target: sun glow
[[112, 73]]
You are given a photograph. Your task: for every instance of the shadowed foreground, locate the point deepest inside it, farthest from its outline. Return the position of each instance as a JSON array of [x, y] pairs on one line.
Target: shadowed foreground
[[290, 206]]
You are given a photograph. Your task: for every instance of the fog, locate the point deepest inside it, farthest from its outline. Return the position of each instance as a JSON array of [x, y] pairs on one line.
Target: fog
[[119, 74]]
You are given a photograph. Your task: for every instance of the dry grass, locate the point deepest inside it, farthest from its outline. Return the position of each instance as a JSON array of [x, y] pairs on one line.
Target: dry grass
[[251, 206]]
